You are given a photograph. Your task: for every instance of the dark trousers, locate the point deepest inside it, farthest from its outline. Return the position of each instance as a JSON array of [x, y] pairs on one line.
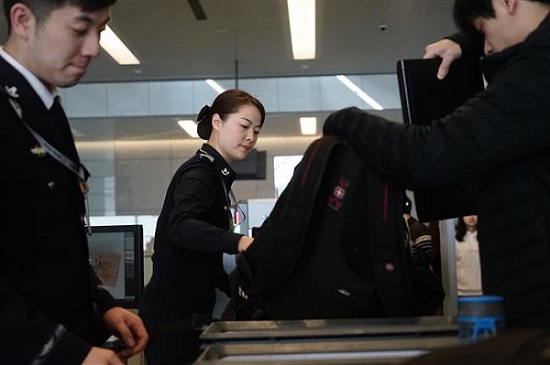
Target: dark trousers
[[173, 338]]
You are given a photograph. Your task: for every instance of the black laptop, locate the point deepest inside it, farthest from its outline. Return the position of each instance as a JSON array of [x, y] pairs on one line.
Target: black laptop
[[425, 98]]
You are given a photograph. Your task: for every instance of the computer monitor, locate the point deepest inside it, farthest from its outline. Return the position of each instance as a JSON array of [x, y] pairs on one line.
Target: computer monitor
[[253, 167], [116, 254]]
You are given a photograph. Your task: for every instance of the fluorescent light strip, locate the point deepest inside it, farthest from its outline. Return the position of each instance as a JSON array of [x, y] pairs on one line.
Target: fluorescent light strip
[[190, 127], [360, 93], [308, 125], [214, 85], [116, 48], [301, 14]]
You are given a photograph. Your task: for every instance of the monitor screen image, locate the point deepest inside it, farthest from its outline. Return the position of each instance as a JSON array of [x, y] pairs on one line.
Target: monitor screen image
[[116, 255]]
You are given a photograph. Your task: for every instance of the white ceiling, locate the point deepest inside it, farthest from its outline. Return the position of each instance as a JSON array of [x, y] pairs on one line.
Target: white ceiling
[[250, 38]]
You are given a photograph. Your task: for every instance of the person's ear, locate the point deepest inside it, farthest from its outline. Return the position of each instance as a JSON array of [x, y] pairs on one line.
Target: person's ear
[[511, 5], [216, 121], [22, 19]]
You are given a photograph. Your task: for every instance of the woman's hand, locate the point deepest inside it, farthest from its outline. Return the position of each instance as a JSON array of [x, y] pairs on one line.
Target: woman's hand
[[244, 242]]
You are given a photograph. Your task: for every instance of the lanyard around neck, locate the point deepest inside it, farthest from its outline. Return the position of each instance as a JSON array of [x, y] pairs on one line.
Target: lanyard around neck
[[79, 171], [229, 196]]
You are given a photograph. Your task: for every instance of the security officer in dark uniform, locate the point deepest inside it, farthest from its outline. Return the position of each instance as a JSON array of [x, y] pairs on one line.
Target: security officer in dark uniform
[[195, 228], [51, 302]]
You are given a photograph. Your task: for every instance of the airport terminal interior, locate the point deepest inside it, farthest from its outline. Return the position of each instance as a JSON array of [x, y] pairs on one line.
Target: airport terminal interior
[[124, 118]]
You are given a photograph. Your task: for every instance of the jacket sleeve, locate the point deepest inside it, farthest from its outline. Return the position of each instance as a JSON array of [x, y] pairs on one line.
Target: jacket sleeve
[[194, 195], [27, 336], [421, 244], [102, 298], [500, 125], [470, 44]]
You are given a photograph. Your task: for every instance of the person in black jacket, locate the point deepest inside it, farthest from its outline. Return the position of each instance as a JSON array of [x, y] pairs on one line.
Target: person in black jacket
[[501, 135], [195, 228], [53, 309]]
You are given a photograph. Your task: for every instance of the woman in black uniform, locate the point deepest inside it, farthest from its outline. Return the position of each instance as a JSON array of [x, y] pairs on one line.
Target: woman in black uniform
[[194, 229]]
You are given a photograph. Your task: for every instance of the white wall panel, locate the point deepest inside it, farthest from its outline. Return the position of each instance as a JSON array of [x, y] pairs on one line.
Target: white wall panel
[[128, 99], [141, 185], [171, 97], [292, 94], [266, 90], [85, 100], [334, 95], [382, 88], [203, 95], [298, 94]]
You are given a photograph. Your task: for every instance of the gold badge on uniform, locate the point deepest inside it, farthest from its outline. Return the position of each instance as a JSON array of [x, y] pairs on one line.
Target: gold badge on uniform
[[38, 151]]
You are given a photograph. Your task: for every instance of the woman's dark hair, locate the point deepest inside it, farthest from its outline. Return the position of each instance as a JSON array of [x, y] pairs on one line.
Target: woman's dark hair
[[460, 229], [43, 8], [228, 102]]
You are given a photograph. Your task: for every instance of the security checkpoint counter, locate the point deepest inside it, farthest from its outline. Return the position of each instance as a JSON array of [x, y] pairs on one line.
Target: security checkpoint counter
[[338, 341]]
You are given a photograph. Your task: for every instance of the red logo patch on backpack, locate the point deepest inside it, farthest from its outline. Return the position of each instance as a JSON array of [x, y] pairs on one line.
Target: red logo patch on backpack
[[335, 200]]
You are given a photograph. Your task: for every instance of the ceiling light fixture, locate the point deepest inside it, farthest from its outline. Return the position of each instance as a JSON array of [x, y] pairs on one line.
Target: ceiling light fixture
[[190, 127], [116, 48], [214, 85], [360, 93], [301, 14], [308, 125]]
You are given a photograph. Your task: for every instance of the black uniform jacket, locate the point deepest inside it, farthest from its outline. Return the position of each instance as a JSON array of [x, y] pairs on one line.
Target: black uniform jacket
[[501, 135], [45, 278], [193, 232]]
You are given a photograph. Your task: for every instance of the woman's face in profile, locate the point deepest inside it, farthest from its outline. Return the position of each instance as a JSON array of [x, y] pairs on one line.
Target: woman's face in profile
[[238, 133]]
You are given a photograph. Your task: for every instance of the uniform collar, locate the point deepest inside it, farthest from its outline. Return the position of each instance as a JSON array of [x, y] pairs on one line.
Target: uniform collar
[[45, 95], [226, 172]]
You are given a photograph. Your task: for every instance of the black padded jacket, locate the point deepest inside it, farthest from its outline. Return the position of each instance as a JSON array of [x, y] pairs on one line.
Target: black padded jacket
[[501, 135]]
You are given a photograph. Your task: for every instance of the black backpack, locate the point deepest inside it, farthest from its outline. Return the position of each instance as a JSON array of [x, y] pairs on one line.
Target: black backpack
[[332, 247]]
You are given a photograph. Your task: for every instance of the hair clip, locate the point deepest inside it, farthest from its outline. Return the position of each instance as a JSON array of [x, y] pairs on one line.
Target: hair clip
[[203, 113]]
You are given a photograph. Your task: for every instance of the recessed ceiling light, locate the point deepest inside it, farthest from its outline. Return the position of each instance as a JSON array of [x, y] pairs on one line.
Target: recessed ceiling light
[[110, 42], [190, 127], [301, 15], [360, 93], [308, 125], [214, 85]]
